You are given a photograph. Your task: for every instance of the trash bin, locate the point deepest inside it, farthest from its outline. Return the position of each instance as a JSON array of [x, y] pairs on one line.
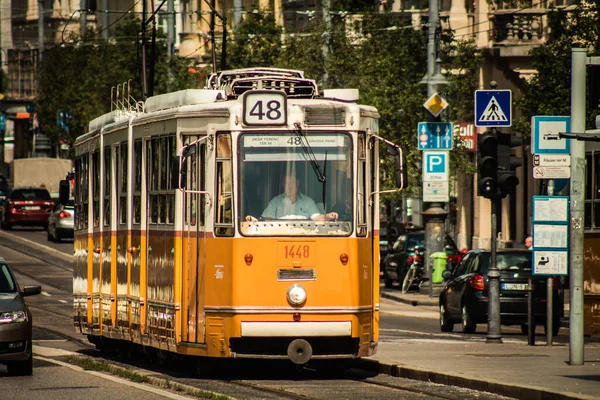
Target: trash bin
[[439, 265]]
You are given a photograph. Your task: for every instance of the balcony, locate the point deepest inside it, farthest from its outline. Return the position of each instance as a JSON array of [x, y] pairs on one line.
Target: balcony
[[518, 26]]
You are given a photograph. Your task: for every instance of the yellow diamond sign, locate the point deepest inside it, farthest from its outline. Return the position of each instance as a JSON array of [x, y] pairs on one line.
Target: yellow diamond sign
[[435, 104]]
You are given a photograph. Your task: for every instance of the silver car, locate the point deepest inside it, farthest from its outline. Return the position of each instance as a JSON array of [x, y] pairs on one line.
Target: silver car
[[61, 222], [15, 323]]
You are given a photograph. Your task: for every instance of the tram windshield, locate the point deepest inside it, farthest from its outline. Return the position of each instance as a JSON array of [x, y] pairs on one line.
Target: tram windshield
[[295, 184]]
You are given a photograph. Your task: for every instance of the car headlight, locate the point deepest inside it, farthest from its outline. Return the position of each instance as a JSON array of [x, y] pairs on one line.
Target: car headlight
[[296, 295], [12, 316]]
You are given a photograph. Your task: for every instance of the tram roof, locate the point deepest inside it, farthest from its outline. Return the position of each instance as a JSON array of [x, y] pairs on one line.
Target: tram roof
[[229, 85]]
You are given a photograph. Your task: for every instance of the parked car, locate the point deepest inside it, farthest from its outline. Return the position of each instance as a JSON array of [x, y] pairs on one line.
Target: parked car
[[15, 323], [27, 205], [61, 222], [464, 298], [401, 256]]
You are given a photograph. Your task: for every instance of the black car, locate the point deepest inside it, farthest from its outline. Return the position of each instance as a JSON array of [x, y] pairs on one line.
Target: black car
[[464, 298], [15, 323], [401, 255]]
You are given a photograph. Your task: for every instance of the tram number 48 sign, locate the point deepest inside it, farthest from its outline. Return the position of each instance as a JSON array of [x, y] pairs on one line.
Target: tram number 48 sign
[[264, 107]]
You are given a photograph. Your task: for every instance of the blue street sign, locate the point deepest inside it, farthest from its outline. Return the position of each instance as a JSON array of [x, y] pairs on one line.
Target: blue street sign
[[435, 166], [545, 135], [2, 123], [493, 108], [434, 135]]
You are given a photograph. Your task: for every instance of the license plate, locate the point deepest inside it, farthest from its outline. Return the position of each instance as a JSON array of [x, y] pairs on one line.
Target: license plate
[[31, 208], [514, 286]]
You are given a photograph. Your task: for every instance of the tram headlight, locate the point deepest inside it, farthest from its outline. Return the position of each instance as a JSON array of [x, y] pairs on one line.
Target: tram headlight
[[296, 295]]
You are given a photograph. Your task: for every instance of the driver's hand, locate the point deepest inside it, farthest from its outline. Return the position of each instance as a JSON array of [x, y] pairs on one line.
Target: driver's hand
[[332, 216], [250, 218]]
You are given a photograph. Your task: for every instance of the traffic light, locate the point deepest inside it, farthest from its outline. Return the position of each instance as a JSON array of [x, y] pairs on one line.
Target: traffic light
[[487, 164], [507, 163]]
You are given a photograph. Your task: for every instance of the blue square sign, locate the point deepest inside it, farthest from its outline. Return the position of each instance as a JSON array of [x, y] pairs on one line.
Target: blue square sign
[[493, 108]]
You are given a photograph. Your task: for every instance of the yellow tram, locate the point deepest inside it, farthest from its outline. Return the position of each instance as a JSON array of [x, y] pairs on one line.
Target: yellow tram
[[187, 240]]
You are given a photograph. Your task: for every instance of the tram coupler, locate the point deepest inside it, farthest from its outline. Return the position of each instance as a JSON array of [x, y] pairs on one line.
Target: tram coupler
[[299, 351]]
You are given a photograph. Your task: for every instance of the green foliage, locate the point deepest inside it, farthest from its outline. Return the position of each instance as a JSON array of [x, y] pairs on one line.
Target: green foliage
[[549, 91], [256, 42], [78, 77]]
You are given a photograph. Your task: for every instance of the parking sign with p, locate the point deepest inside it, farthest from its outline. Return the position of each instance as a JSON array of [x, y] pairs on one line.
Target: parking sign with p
[[435, 166]]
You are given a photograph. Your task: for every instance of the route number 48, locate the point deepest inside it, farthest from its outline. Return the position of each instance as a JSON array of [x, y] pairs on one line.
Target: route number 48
[[265, 107]]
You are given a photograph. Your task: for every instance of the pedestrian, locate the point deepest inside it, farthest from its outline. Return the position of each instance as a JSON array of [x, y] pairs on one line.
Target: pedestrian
[[529, 242]]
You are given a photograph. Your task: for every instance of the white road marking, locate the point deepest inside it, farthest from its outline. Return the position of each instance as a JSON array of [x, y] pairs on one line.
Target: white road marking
[[46, 294], [63, 301]]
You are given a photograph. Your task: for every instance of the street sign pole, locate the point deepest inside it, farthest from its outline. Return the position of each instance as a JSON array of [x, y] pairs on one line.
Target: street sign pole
[[493, 333], [577, 206], [434, 213]]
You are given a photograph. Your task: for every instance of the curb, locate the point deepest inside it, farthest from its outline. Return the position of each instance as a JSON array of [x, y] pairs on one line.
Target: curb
[[500, 388], [427, 301]]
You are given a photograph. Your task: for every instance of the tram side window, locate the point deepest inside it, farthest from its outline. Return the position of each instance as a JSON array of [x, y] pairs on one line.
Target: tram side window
[[123, 183], [96, 186], [172, 153], [596, 191], [81, 198], [224, 200], [107, 184], [162, 203], [362, 186], [137, 182]]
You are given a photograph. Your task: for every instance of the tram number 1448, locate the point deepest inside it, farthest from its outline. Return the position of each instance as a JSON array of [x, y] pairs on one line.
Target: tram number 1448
[[265, 107], [297, 251]]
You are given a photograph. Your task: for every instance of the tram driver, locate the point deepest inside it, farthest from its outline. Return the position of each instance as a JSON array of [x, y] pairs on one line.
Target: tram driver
[[292, 204]]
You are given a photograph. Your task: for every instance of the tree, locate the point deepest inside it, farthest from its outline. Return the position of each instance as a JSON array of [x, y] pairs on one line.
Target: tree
[[549, 91], [78, 77], [256, 41]]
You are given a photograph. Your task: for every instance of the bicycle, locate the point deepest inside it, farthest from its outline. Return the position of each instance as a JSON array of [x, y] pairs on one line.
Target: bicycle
[[415, 273]]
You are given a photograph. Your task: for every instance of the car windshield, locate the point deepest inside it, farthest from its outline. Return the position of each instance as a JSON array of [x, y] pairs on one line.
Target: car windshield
[[7, 284], [509, 261], [30, 194]]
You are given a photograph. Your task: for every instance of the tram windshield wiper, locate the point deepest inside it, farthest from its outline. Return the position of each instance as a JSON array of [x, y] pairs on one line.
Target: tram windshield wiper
[[309, 153]]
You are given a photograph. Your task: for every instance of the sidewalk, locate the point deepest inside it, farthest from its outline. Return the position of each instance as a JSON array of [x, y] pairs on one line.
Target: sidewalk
[[511, 368]]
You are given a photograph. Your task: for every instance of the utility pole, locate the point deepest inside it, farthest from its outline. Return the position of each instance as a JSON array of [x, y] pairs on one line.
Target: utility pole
[[327, 30], [434, 213], [577, 193], [171, 28], [144, 77], [170, 40], [40, 29], [105, 19], [82, 16]]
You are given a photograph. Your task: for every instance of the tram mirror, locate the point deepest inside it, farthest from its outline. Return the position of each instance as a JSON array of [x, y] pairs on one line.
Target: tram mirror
[[400, 170], [63, 191], [178, 177]]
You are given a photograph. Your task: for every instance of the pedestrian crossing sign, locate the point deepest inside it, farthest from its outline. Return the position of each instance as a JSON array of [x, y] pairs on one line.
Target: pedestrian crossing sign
[[493, 108]]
